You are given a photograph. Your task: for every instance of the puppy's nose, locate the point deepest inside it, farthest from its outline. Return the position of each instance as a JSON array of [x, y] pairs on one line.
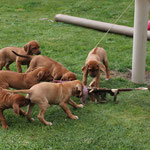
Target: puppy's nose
[[38, 53], [93, 75]]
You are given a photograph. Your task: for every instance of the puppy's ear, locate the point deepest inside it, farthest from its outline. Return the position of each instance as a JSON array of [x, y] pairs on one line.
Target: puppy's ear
[[79, 88], [27, 48], [84, 68], [40, 75], [69, 76], [64, 78], [16, 109], [102, 67]]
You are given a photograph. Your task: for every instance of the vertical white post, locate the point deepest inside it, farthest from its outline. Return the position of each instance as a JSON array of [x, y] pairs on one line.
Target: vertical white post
[[140, 40]]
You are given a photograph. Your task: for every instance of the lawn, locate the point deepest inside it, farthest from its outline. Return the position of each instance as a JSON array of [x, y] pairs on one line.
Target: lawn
[[123, 126]]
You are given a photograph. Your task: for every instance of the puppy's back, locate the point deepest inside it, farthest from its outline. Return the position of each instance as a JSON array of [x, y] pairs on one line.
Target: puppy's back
[[50, 91], [6, 53], [97, 53]]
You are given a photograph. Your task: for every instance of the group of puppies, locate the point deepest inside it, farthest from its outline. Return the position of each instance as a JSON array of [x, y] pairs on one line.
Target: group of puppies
[[44, 69]]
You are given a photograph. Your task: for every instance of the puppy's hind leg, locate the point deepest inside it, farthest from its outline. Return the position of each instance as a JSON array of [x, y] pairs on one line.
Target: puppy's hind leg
[[43, 108], [3, 120], [29, 111], [22, 113], [2, 64], [7, 65]]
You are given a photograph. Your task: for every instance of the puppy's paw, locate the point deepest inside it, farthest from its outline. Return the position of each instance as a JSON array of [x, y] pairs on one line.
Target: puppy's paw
[[76, 117], [5, 127], [50, 124], [32, 119], [107, 79], [81, 106]]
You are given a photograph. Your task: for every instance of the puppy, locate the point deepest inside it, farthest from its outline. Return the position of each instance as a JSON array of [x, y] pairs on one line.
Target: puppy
[[7, 57], [58, 71], [10, 100], [24, 80], [45, 94], [96, 61]]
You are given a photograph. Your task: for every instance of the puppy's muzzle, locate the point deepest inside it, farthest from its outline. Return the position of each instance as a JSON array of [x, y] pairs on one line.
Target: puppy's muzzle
[[93, 75], [80, 95], [38, 53]]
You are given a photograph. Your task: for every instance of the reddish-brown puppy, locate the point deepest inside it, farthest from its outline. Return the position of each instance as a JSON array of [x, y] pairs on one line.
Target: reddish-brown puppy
[[58, 71], [45, 94], [7, 57], [24, 80], [96, 61], [10, 100]]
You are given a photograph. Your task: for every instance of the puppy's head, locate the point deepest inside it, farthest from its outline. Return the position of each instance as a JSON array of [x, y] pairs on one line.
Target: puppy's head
[[32, 48], [43, 74], [78, 91], [93, 67], [69, 76]]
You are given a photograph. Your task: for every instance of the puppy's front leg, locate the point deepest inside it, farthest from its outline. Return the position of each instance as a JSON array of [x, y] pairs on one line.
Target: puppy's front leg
[[19, 69], [85, 75], [92, 84], [107, 68], [74, 104], [64, 106], [3, 120], [97, 79]]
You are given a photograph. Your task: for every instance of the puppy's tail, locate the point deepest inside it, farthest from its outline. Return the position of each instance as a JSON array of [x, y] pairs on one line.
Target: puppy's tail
[[95, 49], [19, 91], [25, 56], [100, 45]]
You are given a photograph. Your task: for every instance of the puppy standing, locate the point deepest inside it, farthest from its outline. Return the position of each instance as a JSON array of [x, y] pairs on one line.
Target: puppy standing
[[96, 61], [9, 100], [7, 57], [58, 71], [44, 94]]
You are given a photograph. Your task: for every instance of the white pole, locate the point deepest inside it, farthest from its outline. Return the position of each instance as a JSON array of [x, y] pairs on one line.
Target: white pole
[[140, 40], [98, 25]]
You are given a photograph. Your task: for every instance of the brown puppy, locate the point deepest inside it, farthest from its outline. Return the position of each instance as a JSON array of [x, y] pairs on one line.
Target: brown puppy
[[10, 100], [24, 80], [7, 57], [58, 71], [44, 94], [96, 61]]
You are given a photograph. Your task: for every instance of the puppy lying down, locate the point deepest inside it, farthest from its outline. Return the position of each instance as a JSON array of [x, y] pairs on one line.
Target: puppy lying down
[[45, 94]]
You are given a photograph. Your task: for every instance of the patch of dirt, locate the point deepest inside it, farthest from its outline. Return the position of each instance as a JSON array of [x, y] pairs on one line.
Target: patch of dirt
[[127, 75], [115, 74]]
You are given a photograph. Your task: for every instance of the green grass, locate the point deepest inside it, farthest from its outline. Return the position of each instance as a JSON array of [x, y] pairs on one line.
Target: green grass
[[100, 126]]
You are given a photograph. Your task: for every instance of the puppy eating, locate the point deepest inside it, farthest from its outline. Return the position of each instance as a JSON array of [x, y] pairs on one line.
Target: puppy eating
[[58, 71], [45, 94]]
